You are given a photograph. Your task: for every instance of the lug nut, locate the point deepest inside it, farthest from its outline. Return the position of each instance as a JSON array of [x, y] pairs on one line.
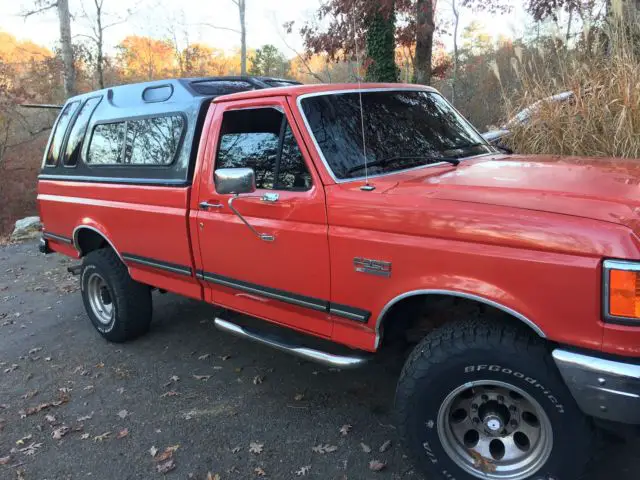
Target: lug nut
[[514, 423], [513, 408], [474, 406], [500, 399], [476, 420], [484, 398]]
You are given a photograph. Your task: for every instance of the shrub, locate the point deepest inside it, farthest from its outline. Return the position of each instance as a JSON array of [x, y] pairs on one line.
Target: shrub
[[602, 118]]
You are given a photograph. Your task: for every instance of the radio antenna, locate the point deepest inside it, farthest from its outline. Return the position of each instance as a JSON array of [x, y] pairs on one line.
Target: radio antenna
[[366, 185]]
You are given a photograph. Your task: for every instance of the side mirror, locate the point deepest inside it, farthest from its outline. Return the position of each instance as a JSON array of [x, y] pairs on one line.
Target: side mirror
[[235, 180]]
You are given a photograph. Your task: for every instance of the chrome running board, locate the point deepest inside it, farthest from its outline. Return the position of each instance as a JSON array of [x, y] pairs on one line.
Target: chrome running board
[[339, 361]]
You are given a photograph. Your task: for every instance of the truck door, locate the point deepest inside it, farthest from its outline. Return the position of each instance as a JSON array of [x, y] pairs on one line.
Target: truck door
[[282, 277]]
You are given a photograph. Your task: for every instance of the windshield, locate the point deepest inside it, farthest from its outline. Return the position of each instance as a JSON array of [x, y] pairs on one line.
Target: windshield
[[402, 129]]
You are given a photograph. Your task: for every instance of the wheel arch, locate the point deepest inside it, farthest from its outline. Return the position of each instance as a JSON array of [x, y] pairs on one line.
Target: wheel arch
[[397, 301], [87, 238]]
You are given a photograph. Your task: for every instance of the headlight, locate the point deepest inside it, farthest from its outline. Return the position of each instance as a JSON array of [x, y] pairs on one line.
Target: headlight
[[621, 291]]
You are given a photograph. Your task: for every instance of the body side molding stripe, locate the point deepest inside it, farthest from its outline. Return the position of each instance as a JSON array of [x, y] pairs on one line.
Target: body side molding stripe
[[59, 238], [159, 182], [453, 293], [283, 296], [150, 262], [293, 298]]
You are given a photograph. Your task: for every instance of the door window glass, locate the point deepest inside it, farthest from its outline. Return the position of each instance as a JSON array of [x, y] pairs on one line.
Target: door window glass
[[262, 139]]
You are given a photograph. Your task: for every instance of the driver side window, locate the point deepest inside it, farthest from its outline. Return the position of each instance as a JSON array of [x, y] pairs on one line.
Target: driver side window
[[262, 139]]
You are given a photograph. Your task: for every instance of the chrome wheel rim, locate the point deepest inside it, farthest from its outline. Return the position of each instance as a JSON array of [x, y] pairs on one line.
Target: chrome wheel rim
[[495, 430], [100, 299]]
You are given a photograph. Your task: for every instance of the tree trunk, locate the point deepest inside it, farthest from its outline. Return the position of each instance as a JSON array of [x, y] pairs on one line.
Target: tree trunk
[[69, 70], [243, 38], [454, 79], [100, 46], [425, 27], [381, 53], [568, 35]]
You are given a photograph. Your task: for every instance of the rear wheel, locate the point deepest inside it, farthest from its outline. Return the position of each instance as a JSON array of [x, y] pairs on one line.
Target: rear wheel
[[477, 400], [119, 307]]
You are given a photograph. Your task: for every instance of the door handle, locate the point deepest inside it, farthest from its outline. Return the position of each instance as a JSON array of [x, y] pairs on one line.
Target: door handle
[[207, 205], [270, 197]]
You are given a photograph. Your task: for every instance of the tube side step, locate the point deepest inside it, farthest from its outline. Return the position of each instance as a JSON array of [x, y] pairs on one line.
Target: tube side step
[[325, 358]]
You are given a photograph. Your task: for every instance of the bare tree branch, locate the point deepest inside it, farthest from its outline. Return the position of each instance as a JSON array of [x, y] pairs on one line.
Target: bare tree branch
[[218, 27], [42, 6]]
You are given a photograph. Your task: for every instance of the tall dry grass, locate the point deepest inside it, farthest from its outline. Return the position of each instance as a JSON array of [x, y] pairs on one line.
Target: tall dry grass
[[602, 118]]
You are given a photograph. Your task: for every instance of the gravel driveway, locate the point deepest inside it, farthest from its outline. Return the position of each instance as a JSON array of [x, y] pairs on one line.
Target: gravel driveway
[[74, 406]]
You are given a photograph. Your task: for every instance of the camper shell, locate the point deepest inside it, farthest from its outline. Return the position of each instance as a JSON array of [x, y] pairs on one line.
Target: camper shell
[[181, 104]]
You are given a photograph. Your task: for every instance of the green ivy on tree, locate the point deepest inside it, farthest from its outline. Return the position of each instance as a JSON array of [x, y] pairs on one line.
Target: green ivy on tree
[[380, 40]]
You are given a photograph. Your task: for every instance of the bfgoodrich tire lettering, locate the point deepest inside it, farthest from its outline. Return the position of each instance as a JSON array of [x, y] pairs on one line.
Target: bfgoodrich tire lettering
[[118, 307], [464, 356]]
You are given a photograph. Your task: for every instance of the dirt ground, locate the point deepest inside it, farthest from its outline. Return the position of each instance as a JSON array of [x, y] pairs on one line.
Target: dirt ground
[[74, 406]]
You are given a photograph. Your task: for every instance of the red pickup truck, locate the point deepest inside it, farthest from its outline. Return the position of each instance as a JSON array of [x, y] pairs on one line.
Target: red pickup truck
[[349, 217]]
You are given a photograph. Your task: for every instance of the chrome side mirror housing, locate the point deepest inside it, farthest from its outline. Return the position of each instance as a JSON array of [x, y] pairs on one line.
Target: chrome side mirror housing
[[234, 180]]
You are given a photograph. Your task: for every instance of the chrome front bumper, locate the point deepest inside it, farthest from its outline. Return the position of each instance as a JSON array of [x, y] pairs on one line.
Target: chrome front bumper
[[602, 388]]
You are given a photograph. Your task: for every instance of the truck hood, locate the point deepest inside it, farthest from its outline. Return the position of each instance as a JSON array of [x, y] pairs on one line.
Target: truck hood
[[601, 189]]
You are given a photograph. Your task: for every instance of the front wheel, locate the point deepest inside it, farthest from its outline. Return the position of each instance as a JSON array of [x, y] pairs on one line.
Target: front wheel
[[478, 400]]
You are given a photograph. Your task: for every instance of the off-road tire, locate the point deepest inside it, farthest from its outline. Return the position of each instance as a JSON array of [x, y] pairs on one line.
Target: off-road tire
[[476, 350], [132, 306]]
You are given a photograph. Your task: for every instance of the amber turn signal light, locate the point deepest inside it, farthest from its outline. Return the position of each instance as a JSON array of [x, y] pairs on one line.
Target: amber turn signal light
[[624, 293]]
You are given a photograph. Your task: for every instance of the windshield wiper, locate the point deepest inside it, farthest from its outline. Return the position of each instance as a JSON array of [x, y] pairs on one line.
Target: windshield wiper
[[385, 161]]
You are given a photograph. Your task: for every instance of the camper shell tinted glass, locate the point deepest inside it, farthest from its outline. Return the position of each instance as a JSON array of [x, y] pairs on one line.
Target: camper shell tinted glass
[[160, 150]]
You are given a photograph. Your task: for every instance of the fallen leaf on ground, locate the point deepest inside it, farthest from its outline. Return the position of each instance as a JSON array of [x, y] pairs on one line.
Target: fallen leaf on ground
[[123, 433], [298, 397], [365, 448], [101, 437], [30, 394], [168, 453], [11, 368], [385, 446], [58, 433], [34, 350], [31, 449], [170, 393], [120, 390], [213, 476], [123, 414], [235, 449], [5, 460], [202, 377], [85, 417], [23, 440], [64, 398], [100, 365], [260, 472], [303, 471], [255, 447], [345, 429], [257, 380], [204, 357], [225, 357], [50, 418], [376, 465], [84, 436], [153, 451], [324, 448], [166, 466]]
